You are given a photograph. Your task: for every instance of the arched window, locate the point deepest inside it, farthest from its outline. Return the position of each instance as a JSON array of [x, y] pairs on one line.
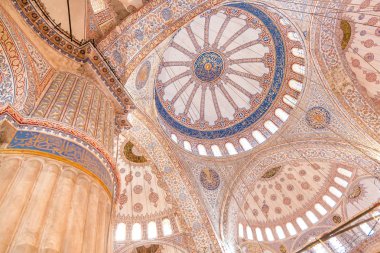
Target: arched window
[[295, 85], [259, 137], [289, 100], [202, 149], [166, 227], [291, 229], [187, 145], [216, 150], [281, 114], [293, 36], [301, 223], [335, 191], [152, 230], [270, 126], [174, 138], [231, 149], [280, 232], [136, 232], [345, 172], [249, 233], [329, 201], [311, 216], [241, 230], [269, 234], [245, 144], [284, 21], [297, 52], [299, 69], [320, 209], [121, 232], [259, 235], [341, 182]]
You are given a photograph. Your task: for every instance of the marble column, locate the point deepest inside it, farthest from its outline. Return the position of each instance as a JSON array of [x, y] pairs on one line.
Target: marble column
[[49, 206], [29, 233]]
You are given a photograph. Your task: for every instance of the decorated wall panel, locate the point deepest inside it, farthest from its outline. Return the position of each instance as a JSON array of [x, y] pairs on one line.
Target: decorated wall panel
[[78, 102], [14, 81], [345, 46]]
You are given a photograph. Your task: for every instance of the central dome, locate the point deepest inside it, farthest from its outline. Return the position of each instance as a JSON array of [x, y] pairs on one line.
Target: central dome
[[223, 72]]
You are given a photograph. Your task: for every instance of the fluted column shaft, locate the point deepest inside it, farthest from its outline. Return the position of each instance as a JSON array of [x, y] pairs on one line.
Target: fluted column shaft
[[28, 236], [15, 200], [48, 206]]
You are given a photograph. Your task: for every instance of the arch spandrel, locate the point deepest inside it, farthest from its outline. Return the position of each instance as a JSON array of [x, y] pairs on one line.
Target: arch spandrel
[[160, 152]]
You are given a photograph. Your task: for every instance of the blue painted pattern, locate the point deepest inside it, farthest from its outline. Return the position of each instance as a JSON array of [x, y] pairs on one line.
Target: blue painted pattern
[[268, 100], [63, 148], [208, 66]]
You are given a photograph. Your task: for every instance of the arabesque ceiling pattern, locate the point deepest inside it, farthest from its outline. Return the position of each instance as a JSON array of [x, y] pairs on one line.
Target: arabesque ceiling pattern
[[220, 81]]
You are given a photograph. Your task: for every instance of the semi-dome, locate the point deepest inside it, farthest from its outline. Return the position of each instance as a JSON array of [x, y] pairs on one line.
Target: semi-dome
[[229, 79]]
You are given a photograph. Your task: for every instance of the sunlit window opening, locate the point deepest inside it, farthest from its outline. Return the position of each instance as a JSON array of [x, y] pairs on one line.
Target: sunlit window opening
[[259, 235], [259, 137], [320, 209], [241, 231], [166, 227], [345, 172], [289, 100], [291, 229], [301, 223], [249, 233], [280, 232], [329, 201], [121, 232], [136, 232], [269, 234], [281, 114], [245, 144], [311, 216], [335, 191], [152, 230], [202, 150], [231, 149], [216, 150], [270, 126]]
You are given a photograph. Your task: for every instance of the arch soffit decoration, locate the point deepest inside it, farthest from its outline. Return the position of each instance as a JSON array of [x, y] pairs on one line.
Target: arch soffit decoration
[[19, 62], [331, 63]]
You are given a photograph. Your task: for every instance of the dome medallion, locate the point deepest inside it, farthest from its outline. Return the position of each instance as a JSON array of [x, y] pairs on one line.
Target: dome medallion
[[223, 73], [208, 66]]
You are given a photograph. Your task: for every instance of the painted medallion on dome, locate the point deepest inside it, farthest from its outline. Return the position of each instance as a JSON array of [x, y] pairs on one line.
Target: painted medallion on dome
[[208, 66], [209, 179], [318, 117], [143, 75]]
